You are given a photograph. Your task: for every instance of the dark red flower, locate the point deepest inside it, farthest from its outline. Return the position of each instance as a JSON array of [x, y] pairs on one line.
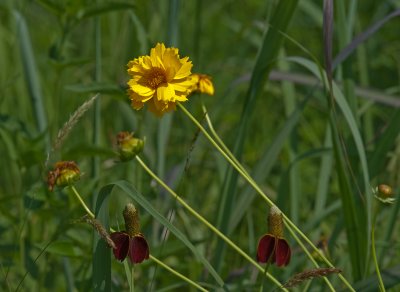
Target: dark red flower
[[131, 242], [272, 247], [274, 250], [135, 247]]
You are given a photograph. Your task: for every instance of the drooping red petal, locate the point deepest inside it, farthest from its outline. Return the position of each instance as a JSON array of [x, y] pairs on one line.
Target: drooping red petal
[[282, 253], [121, 240], [138, 249], [266, 247]]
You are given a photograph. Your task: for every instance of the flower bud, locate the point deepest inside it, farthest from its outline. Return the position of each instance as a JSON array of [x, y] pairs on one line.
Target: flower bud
[[202, 83], [384, 193], [128, 146], [65, 173], [131, 217], [275, 222]]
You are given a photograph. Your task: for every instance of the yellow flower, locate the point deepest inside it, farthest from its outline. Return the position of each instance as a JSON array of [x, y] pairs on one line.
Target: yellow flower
[[161, 80], [202, 84]]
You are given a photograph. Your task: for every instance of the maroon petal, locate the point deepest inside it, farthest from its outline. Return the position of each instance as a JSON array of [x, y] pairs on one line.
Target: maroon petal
[[282, 253], [139, 249], [121, 240], [265, 249]]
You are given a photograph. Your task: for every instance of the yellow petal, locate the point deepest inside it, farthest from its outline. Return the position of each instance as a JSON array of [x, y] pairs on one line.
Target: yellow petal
[[165, 93], [141, 90], [206, 86], [184, 71]]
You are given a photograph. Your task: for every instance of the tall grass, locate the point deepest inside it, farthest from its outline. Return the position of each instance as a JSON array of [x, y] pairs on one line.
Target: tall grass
[[305, 116]]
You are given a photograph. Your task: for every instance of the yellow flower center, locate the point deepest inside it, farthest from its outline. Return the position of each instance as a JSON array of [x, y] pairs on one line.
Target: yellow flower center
[[155, 77]]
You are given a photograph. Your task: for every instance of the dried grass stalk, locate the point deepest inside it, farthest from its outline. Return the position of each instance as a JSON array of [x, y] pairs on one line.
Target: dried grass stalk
[[100, 230], [70, 124], [310, 274]]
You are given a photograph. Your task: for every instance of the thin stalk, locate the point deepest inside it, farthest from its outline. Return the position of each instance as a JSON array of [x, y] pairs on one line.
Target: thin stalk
[[244, 174], [132, 286], [78, 196], [378, 272], [161, 264], [204, 221], [310, 256], [154, 259]]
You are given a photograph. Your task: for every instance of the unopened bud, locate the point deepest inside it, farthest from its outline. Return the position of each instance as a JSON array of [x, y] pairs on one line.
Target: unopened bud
[[384, 193], [128, 146], [202, 83], [65, 173]]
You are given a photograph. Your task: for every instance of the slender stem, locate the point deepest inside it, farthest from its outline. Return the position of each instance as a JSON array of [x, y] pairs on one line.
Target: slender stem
[[378, 272], [228, 152], [310, 256], [157, 261], [82, 202], [244, 174], [132, 287], [160, 263], [205, 222]]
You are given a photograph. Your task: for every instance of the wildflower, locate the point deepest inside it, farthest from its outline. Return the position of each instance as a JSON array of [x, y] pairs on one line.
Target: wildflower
[[384, 193], [272, 247], [203, 83], [65, 173], [130, 242], [128, 146], [161, 80]]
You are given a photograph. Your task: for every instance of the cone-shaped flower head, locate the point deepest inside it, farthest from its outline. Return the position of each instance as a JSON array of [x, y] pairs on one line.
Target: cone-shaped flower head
[[128, 146], [130, 242], [272, 247], [203, 84], [160, 80], [384, 193], [64, 173]]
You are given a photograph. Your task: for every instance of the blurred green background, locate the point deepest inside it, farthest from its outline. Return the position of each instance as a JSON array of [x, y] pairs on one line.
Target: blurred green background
[[54, 55]]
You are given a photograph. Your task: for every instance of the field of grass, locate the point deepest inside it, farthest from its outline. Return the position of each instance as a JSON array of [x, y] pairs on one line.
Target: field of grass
[[305, 116]]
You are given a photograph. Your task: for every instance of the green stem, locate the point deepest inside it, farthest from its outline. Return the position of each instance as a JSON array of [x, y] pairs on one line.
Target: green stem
[[154, 259], [310, 256], [78, 196], [160, 263], [378, 272], [228, 152], [132, 287], [204, 221], [244, 174]]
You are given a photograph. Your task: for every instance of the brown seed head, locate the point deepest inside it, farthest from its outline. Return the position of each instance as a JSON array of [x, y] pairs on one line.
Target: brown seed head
[[275, 222], [131, 217]]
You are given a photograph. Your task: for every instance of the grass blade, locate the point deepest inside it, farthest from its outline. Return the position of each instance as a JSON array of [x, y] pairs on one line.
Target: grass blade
[[31, 74], [148, 206], [268, 52], [360, 245], [101, 254]]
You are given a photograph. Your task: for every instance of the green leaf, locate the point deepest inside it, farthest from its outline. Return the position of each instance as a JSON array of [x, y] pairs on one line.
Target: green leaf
[[101, 254], [358, 220], [267, 55], [148, 206]]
